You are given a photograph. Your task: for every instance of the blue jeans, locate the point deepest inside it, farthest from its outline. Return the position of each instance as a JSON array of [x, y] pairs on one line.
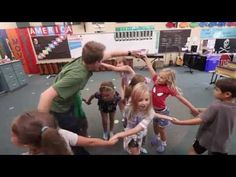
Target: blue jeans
[[162, 122]]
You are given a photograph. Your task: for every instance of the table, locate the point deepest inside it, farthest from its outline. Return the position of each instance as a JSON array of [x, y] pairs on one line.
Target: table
[[155, 57]]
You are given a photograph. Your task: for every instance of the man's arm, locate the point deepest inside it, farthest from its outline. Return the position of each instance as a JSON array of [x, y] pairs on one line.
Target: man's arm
[[46, 98], [107, 55]]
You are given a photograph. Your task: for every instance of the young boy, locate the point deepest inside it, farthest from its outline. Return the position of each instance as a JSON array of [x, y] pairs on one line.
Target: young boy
[[216, 122]]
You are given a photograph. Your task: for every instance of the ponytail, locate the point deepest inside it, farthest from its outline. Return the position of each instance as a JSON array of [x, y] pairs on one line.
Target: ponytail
[[53, 143], [30, 129], [128, 91]]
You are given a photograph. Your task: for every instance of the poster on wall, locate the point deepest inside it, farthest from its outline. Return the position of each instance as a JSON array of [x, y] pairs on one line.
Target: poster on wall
[[28, 50], [131, 33], [211, 43], [51, 47], [75, 45], [218, 33], [50, 30], [4, 46], [225, 45], [20, 44]]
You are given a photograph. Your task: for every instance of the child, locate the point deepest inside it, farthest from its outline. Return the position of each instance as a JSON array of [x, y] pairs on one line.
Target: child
[[216, 122], [126, 73], [164, 85], [135, 80], [39, 132], [139, 114], [108, 98]]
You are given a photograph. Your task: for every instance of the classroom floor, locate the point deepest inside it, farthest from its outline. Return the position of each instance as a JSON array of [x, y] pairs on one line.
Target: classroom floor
[[195, 87]]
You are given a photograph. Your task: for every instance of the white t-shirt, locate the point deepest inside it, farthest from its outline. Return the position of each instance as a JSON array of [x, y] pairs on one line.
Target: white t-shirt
[[69, 137]]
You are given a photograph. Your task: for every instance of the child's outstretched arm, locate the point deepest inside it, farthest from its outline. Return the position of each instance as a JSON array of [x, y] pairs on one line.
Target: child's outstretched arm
[[193, 109], [84, 141], [125, 68], [164, 116], [201, 109], [149, 65], [129, 132], [194, 121], [88, 102]]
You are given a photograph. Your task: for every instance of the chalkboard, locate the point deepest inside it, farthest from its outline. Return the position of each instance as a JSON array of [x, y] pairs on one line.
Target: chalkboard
[[225, 45], [173, 40]]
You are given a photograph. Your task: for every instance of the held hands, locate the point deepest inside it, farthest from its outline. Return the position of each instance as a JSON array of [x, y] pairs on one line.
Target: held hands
[[201, 109], [86, 101], [115, 137], [175, 120], [195, 111], [136, 53], [113, 141], [142, 53]]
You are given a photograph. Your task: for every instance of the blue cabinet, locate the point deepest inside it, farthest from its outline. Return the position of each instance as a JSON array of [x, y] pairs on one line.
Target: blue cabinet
[[12, 75]]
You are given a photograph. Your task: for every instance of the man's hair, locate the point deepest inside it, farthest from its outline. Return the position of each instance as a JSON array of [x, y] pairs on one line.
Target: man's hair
[[227, 85], [92, 52]]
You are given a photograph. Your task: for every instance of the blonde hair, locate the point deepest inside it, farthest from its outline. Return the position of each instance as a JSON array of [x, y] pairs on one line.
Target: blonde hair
[[171, 79], [138, 91]]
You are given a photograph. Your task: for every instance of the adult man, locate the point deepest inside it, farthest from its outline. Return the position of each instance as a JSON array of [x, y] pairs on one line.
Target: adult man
[[59, 98]]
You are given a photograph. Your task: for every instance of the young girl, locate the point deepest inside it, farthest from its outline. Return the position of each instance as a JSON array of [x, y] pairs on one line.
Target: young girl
[[126, 73], [139, 113], [108, 98], [164, 85], [135, 80], [39, 132]]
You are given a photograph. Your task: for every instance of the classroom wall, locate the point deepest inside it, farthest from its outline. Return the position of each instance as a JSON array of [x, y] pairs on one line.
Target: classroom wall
[[7, 25], [110, 27]]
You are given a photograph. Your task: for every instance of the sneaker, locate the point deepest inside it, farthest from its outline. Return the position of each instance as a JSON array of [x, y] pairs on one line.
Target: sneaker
[[105, 136], [25, 153], [155, 141], [124, 122], [161, 147], [111, 134], [143, 150]]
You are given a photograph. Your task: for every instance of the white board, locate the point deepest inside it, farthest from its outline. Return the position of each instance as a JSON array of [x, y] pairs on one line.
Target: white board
[[108, 39]]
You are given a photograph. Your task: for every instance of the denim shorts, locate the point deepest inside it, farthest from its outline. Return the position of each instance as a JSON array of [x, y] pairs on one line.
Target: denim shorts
[[162, 122]]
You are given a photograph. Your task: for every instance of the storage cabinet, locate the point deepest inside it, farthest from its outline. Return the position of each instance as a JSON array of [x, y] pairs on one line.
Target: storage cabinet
[[12, 75]]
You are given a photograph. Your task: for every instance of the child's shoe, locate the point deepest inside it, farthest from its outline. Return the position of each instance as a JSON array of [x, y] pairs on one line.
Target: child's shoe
[[105, 136], [161, 147], [155, 141], [143, 150], [111, 134]]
